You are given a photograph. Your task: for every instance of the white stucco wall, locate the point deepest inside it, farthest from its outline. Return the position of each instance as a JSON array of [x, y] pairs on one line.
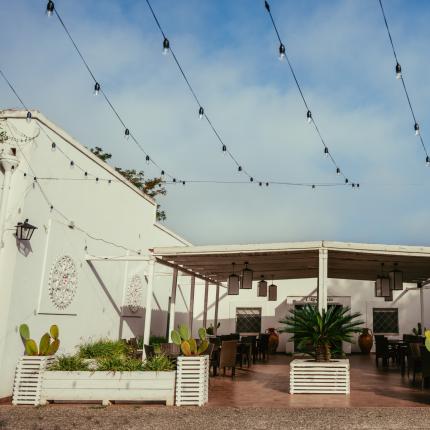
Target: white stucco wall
[[104, 214]]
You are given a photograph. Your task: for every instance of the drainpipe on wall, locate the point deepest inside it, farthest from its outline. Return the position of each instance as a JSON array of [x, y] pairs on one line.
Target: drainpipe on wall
[[9, 162]]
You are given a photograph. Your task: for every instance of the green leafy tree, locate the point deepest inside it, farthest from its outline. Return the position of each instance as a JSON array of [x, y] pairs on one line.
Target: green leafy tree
[[152, 187]]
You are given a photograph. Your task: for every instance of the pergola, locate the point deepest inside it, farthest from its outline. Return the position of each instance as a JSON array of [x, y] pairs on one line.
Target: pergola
[[294, 260]]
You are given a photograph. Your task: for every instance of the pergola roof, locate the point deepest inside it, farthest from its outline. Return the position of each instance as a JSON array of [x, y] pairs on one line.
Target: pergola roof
[[297, 260]]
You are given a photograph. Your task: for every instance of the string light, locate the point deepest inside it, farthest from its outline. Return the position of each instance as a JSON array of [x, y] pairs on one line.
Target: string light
[[346, 180], [399, 75], [28, 116], [337, 171], [326, 153], [147, 159], [96, 89], [53, 145], [428, 161], [282, 55], [72, 163], [201, 112], [239, 169], [282, 52], [224, 148], [127, 133], [166, 46], [50, 8], [398, 71]]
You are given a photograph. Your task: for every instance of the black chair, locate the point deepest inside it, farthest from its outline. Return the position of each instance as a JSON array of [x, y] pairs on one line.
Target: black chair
[[414, 359], [383, 350], [425, 365], [263, 346], [254, 350]]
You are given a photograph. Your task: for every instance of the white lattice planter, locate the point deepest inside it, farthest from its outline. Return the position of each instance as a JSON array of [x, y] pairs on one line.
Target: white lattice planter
[[309, 376], [192, 380], [108, 386], [28, 379]]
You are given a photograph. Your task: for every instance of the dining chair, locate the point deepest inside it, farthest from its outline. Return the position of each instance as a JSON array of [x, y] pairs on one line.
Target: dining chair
[[383, 350], [263, 346], [227, 357], [425, 365], [414, 359]]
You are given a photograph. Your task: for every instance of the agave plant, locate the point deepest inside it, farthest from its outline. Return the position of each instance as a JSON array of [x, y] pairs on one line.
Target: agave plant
[[318, 333]]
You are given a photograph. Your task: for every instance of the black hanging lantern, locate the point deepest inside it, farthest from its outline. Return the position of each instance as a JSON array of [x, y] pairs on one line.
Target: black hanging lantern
[[247, 276], [396, 279], [389, 298], [233, 284], [273, 292], [382, 284], [24, 230], [262, 287]]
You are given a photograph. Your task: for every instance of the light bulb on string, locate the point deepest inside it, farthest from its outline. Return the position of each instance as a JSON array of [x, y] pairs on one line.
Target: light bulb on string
[[147, 159], [224, 148], [398, 71], [281, 52], [309, 116], [267, 184], [174, 180], [53, 145], [96, 89], [251, 179], [428, 161], [201, 112], [417, 129], [239, 169], [326, 151], [166, 46], [28, 118], [162, 174], [50, 8], [313, 187], [346, 180], [127, 133], [260, 183], [337, 171]]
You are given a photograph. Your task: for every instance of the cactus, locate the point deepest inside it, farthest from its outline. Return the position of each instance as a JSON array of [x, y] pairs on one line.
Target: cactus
[[182, 337], [48, 344], [427, 341]]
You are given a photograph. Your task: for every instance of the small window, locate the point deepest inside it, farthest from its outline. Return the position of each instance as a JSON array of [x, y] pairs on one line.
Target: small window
[[385, 320], [248, 320]]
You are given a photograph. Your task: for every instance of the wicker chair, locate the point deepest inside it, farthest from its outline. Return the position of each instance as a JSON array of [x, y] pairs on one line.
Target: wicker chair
[[227, 357]]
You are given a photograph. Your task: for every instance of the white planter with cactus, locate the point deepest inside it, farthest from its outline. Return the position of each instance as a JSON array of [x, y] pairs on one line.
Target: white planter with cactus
[[32, 366], [192, 373]]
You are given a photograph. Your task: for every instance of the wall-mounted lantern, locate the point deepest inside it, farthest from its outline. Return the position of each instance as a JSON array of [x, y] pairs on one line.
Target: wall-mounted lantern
[[24, 230], [247, 275]]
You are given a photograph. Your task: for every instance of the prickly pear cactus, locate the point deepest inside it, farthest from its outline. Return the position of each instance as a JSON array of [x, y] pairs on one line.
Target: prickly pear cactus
[[427, 341], [182, 337], [48, 344]]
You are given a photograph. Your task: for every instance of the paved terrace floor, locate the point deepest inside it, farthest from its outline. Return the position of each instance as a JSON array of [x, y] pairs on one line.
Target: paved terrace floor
[[267, 385]]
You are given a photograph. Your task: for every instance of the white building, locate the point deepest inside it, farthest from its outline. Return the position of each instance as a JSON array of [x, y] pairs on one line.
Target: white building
[[88, 264]]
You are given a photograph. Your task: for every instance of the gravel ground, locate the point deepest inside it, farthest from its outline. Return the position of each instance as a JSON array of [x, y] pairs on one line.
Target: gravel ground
[[117, 417]]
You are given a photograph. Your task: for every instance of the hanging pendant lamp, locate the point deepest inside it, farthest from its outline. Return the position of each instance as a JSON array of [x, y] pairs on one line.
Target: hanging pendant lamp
[[262, 287], [247, 275], [382, 284], [273, 292], [396, 279], [233, 284]]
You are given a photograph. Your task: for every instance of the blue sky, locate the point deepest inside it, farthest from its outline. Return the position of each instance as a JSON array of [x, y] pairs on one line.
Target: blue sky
[[342, 57]]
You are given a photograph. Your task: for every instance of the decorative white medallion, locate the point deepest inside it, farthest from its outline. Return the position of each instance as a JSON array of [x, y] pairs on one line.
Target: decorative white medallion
[[63, 282], [134, 294]]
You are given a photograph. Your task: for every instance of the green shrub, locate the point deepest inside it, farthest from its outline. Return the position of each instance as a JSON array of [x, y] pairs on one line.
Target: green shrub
[[103, 348], [69, 363], [118, 364], [158, 363]]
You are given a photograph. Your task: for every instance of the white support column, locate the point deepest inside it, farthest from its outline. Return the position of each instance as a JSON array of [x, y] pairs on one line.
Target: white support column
[[205, 305], [322, 279], [191, 312], [148, 307], [216, 310], [173, 302]]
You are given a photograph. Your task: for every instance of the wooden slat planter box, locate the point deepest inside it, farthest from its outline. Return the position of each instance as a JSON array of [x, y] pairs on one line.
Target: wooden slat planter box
[[28, 379], [108, 386], [192, 380], [309, 376]]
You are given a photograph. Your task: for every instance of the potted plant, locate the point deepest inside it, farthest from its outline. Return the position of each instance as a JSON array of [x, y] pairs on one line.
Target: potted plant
[[192, 372], [319, 333], [31, 367]]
